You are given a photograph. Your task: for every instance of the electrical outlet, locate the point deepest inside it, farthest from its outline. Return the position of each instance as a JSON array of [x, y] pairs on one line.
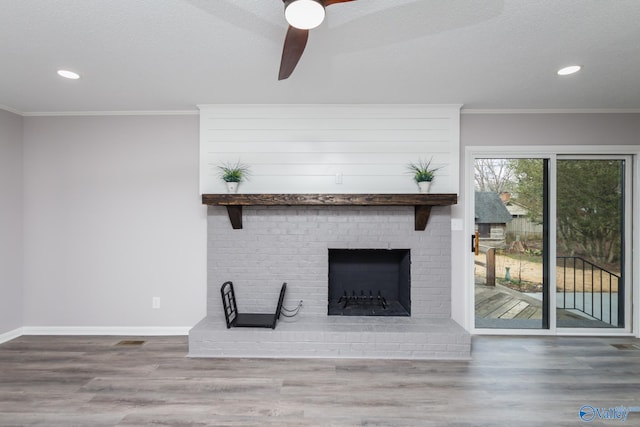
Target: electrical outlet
[[339, 178], [155, 302]]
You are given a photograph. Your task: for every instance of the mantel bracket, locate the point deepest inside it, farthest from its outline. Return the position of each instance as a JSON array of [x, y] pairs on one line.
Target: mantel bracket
[[235, 216], [422, 213]]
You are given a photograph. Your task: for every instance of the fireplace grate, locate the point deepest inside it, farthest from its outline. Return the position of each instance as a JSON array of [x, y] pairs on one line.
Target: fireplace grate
[[363, 299], [365, 303]]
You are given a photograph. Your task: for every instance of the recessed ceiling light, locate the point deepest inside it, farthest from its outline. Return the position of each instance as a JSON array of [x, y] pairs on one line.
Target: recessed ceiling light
[[68, 74], [569, 70]]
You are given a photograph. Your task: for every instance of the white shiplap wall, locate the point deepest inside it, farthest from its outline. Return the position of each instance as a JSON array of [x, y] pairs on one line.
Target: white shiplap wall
[[309, 148]]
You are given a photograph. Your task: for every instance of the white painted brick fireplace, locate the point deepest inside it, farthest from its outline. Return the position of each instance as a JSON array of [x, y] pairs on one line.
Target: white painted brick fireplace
[[325, 149], [291, 244]]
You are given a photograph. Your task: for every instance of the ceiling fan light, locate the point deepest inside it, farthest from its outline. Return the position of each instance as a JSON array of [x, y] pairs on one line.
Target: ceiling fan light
[[304, 14]]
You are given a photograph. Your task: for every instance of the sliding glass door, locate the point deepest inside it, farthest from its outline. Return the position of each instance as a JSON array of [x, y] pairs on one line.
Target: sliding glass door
[[590, 243], [550, 240], [511, 243]]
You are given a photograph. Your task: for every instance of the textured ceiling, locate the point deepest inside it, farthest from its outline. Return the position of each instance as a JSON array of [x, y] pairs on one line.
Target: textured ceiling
[[172, 55]]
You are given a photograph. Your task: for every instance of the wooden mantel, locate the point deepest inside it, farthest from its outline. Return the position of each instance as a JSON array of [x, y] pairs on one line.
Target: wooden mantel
[[421, 202]]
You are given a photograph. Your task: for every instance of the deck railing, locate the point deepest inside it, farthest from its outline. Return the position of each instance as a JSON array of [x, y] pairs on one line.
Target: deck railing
[[585, 286]]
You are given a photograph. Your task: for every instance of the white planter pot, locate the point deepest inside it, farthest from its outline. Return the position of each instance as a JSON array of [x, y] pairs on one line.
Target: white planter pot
[[232, 187], [424, 186]]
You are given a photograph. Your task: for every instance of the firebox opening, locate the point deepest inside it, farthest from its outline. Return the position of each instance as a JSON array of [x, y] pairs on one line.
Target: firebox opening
[[369, 282]]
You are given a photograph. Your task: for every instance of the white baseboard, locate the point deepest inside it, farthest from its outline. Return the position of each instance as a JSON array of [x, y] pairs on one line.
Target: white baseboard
[[107, 330], [8, 336]]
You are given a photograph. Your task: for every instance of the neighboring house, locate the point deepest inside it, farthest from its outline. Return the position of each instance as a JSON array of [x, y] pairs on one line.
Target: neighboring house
[[522, 227], [491, 218]]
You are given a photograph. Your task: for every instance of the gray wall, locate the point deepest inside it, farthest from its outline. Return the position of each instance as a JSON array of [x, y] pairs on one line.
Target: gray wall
[[112, 214], [113, 218], [549, 129], [10, 221]]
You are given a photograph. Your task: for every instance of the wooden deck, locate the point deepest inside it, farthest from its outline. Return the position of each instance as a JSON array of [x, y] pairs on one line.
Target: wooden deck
[[500, 302], [504, 304]]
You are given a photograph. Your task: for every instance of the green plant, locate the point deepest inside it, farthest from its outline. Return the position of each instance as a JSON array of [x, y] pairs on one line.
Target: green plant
[[233, 172], [422, 171]]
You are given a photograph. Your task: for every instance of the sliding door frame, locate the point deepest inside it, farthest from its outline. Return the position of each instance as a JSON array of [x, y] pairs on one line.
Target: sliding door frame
[[632, 249]]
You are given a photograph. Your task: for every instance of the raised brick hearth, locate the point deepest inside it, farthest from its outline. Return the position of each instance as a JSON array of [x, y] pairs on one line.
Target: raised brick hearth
[[291, 244]]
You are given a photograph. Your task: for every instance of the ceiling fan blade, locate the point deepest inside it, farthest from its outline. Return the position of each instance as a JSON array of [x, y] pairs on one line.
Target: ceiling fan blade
[[294, 44], [330, 2]]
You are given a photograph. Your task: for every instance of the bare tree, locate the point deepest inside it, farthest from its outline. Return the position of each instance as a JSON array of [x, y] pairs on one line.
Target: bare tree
[[495, 175]]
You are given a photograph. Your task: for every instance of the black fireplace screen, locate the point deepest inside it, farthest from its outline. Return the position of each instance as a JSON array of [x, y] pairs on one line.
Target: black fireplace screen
[[369, 282]]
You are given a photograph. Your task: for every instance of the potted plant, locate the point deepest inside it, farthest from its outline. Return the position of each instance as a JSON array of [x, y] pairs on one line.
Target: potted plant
[[233, 174], [423, 173]]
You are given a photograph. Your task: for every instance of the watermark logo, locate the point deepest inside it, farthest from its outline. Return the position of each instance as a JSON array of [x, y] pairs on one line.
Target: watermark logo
[[589, 413]]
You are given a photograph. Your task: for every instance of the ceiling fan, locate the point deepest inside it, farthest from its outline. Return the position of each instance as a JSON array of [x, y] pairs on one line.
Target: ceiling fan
[[302, 16]]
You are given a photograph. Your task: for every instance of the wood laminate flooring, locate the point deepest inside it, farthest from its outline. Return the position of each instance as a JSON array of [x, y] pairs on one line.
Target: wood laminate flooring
[[510, 381]]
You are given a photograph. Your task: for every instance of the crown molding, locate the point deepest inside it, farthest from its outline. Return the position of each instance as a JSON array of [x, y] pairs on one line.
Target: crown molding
[[11, 110], [196, 112], [110, 113], [551, 111]]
